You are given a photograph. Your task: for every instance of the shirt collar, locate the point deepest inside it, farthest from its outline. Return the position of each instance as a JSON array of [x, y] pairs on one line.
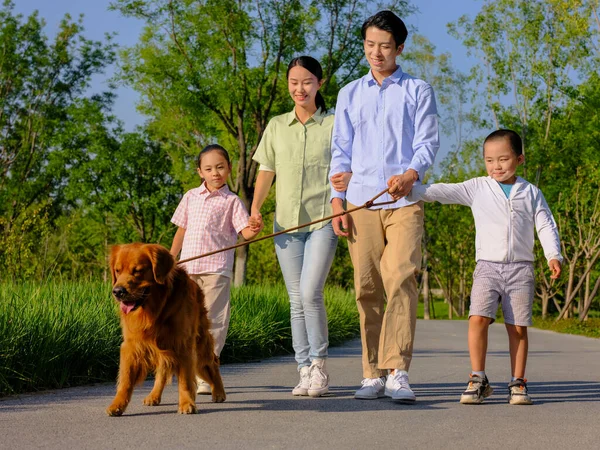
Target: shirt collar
[[318, 117], [393, 78], [223, 191]]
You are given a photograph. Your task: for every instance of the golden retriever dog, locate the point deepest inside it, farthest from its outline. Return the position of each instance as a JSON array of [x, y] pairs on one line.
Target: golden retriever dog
[[165, 328]]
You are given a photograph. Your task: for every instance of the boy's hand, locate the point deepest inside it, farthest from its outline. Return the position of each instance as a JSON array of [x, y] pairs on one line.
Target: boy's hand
[[555, 268], [401, 185], [340, 224], [340, 181]]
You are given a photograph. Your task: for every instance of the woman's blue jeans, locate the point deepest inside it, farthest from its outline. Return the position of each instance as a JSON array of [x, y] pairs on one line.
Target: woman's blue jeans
[[305, 260]]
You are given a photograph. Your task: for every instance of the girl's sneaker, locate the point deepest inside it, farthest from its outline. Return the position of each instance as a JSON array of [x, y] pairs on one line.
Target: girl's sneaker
[[304, 384], [478, 389], [517, 392], [203, 387], [319, 379]]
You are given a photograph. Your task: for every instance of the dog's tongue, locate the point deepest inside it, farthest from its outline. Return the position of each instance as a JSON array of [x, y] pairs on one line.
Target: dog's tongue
[[126, 307]]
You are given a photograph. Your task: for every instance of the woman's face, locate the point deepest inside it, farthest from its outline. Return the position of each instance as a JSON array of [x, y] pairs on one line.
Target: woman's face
[[303, 87]]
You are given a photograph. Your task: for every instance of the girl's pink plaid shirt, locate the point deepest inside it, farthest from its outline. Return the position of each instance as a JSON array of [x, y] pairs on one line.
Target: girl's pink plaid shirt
[[212, 220]]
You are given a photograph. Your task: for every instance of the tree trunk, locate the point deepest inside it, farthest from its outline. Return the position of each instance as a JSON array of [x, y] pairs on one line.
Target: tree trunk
[[241, 253], [425, 281], [544, 304], [461, 304], [239, 268]]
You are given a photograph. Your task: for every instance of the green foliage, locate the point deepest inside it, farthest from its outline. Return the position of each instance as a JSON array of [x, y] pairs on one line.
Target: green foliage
[[55, 335]]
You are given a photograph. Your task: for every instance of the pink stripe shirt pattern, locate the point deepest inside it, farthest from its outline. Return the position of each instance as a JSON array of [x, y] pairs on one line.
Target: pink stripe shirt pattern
[[212, 220]]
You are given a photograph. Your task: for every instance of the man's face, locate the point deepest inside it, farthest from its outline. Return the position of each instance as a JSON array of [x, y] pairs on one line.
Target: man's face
[[381, 51]]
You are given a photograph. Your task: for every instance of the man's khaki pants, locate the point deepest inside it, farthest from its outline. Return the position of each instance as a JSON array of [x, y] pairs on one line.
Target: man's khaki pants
[[216, 290], [385, 248]]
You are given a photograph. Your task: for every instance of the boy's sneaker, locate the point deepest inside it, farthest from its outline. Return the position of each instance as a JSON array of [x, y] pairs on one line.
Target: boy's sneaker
[[397, 387], [203, 387], [517, 392], [371, 389], [302, 387], [478, 389], [319, 379]]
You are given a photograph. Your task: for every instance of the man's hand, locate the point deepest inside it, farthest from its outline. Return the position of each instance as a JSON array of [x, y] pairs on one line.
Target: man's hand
[[340, 224], [401, 185], [340, 181], [555, 268]]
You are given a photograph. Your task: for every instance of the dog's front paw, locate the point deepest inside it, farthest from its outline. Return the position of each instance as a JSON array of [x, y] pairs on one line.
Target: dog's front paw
[[218, 397], [152, 400], [187, 408], [115, 409]]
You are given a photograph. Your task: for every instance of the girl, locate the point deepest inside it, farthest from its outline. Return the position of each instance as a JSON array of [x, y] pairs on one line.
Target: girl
[[209, 218], [296, 147]]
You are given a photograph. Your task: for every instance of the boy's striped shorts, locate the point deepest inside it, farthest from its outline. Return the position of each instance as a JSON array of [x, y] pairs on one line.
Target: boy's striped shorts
[[508, 284]]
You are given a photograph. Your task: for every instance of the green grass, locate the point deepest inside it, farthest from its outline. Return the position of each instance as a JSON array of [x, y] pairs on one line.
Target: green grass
[[589, 328], [55, 335]]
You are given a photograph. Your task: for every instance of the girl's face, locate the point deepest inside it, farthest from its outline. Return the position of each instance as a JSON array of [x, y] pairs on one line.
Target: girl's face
[[303, 86], [215, 169], [500, 161]]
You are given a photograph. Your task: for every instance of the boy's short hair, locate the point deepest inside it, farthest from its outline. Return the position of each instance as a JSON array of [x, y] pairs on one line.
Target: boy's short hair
[[387, 21], [516, 144]]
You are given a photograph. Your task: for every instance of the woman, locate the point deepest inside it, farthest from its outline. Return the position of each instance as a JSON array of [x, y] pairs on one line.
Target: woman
[[296, 147]]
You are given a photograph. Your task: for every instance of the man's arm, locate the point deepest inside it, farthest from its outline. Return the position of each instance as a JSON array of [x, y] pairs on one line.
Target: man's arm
[[341, 142], [341, 161]]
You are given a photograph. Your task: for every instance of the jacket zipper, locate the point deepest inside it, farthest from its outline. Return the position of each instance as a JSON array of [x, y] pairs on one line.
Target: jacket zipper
[[510, 226]]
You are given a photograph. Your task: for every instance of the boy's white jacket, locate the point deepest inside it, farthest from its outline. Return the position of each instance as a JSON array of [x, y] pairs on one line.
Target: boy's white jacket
[[504, 226]]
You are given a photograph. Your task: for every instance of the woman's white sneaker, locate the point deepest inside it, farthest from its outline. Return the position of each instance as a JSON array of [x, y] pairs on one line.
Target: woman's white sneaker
[[397, 387], [319, 379], [302, 387], [371, 389]]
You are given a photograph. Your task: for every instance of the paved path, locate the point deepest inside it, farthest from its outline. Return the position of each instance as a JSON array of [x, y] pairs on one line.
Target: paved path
[[260, 412]]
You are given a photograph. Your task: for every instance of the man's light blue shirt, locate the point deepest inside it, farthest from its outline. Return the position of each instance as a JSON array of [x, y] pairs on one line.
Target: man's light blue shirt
[[380, 131]]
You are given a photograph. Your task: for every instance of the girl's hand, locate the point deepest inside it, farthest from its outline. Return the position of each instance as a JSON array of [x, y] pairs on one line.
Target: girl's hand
[[555, 268], [255, 222], [340, 181]]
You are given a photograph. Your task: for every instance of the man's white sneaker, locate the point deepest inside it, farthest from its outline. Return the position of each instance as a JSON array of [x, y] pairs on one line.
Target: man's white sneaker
[[304, 384], [397, 387], [371, 389], [319, 379], [203, 387]]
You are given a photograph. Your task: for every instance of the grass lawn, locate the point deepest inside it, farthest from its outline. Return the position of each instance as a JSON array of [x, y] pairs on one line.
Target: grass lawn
[[55, 335]]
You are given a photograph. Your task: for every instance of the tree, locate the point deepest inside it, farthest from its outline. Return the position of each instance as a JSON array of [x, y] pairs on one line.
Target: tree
[[41, 83], [529, 49], [214, 70]]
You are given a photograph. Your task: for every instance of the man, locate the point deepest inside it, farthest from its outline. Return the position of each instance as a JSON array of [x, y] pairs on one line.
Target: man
[[385, 135]]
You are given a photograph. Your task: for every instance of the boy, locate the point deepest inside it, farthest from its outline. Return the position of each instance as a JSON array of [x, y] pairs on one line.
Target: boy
[[506, 209]]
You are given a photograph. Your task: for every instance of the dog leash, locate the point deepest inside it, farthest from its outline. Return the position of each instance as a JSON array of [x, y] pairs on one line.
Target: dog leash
[[368, 204]]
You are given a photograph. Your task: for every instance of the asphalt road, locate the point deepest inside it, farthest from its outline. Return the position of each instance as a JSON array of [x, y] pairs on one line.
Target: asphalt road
[[260, 412]]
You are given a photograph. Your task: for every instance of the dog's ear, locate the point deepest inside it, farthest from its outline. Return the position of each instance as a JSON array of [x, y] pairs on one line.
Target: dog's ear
[[162, 262], [114, 252]]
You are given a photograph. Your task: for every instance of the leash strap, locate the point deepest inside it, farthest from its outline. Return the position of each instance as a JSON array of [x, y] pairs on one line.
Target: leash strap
[[368, 204]]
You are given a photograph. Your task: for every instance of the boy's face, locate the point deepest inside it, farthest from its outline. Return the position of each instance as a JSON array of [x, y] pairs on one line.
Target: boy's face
[[500, 161], [381, 51]]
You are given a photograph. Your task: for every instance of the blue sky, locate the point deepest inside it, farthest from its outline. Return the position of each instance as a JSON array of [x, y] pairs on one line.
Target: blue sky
[[430, 21]]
